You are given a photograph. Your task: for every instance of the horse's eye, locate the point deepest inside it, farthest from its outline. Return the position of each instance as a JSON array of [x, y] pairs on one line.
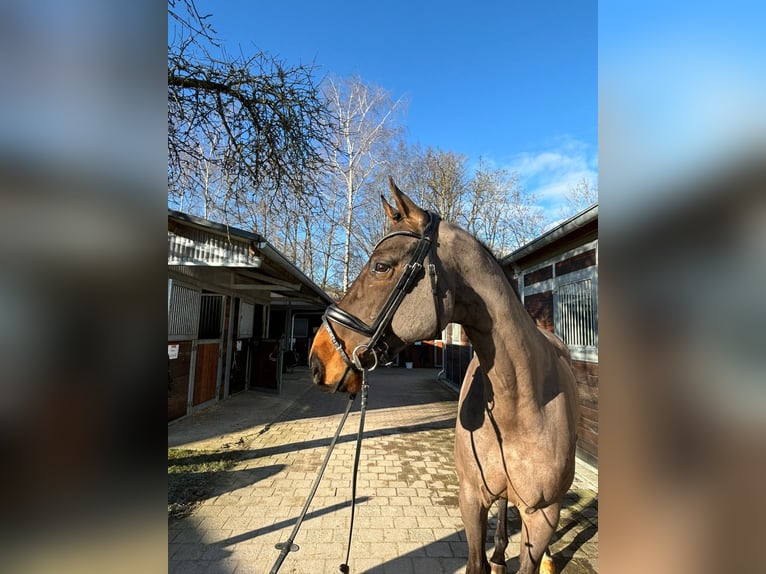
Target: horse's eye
[[381, 267]]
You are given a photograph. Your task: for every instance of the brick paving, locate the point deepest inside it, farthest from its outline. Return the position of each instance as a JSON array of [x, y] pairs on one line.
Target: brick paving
[[407, 518]]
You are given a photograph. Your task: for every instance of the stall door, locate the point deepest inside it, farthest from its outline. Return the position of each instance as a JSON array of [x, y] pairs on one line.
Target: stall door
[[206, 368], [205, 373], [266, 366]]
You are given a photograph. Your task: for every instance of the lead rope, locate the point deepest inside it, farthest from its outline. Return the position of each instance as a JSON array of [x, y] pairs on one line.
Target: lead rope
[[362, 410], [289, 546]]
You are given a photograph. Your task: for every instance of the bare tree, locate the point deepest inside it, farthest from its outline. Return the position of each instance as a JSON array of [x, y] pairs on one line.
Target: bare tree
[[258, 144], [444, 177], [267, 119], [404, 163], [581, 196], [329, 246], [363, 124], [500, 211]]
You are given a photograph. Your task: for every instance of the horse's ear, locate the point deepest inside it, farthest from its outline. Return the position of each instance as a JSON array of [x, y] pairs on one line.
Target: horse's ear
[[393, 215], [407, 208]]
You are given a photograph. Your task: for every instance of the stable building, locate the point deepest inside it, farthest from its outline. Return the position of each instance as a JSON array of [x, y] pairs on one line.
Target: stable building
[[239, 313], [556, 277]]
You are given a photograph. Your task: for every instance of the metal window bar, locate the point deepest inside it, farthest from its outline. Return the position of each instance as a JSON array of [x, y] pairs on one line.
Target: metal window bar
[[183, 311], [211, 313], [577, 314]]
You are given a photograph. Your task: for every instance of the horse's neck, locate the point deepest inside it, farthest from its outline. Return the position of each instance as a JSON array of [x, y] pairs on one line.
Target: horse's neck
[[501, 331]]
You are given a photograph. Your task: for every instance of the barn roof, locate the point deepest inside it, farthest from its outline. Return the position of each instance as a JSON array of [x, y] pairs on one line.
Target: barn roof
[[237, 262], [562, 230]]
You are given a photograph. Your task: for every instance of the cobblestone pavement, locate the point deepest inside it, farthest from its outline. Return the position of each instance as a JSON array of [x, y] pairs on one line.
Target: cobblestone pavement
[[407, 519]]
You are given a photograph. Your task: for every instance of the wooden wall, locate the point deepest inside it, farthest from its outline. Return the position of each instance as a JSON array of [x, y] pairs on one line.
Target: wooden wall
[[178, 386]]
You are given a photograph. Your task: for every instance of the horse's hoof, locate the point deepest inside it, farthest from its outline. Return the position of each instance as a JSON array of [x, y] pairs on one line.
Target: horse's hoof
[[547, 566], [497, 568]]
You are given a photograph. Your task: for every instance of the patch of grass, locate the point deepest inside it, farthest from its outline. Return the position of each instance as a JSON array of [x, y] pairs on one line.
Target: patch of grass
[[192, 475]]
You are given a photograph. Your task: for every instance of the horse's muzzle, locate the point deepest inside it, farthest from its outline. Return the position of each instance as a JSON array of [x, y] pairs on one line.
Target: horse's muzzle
[[317, 369]]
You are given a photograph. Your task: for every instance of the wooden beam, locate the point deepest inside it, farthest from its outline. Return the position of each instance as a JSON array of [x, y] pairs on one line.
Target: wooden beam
[[268, 278], [253, 287]]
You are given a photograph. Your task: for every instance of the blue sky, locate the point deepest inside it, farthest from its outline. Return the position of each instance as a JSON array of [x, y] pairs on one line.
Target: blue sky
[[682, 87], [514, 83]]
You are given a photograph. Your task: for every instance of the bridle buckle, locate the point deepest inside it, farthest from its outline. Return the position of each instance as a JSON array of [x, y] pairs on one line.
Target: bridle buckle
[[356, 357]]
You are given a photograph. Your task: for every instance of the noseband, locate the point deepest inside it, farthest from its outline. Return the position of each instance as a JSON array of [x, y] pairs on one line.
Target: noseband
[[374, 332]]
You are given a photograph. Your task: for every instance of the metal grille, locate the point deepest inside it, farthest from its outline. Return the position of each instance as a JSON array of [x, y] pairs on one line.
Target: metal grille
[[210, 315], [577, 314], [183, 312]]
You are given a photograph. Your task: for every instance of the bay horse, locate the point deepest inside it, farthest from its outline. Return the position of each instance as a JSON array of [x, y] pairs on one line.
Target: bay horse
[[515, 433]]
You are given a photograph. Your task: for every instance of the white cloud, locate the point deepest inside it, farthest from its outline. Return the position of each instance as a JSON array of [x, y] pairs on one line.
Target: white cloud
[[550, 173]]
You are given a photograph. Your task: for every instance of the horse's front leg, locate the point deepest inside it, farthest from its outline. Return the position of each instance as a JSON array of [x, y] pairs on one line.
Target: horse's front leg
[[497, 562], [474, 515], [536, 533]]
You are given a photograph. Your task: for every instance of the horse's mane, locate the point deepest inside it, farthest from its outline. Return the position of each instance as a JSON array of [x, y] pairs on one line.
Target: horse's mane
[[507, 271]]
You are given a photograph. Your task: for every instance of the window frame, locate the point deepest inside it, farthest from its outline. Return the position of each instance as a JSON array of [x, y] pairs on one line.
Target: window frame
[[587, 353]]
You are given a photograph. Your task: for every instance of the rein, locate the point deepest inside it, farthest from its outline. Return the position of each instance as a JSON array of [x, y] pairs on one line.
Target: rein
[[362, 410], [379, 351], [286, 547]]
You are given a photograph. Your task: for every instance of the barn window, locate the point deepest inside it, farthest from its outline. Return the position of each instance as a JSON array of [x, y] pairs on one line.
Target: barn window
[[567, 301], [540, 275], [540, 307], [576, 315], [210, 316], [183, 312]]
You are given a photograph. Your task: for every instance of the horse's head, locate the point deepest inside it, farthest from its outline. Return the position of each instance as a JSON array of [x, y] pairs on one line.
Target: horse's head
[[400, 296]]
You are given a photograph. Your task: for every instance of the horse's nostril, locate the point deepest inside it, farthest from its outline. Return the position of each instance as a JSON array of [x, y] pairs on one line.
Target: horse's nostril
[[317, 371]]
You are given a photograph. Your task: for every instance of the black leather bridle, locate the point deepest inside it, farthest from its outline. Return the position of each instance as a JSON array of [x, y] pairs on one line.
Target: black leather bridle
[[374, 344]]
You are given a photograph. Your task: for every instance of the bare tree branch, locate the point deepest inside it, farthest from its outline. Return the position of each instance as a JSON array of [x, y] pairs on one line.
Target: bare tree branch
[[269, 118], [581, 196]]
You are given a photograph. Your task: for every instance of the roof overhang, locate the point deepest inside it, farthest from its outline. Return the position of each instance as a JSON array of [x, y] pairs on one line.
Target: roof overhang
[[234, 261], [562, 230]]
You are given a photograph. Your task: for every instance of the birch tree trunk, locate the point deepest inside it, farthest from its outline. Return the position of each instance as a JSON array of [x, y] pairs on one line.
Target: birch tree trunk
[[363, 126], [349, 223]]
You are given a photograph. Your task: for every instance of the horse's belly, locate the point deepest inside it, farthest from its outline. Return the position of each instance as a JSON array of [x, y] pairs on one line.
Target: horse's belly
[[535, 480], [528, 472]]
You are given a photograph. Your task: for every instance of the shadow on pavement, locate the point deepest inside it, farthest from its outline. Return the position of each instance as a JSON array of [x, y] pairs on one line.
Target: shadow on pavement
[[187, 489], [287, 523], [450, 553], [248, 411], [325, 442]]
